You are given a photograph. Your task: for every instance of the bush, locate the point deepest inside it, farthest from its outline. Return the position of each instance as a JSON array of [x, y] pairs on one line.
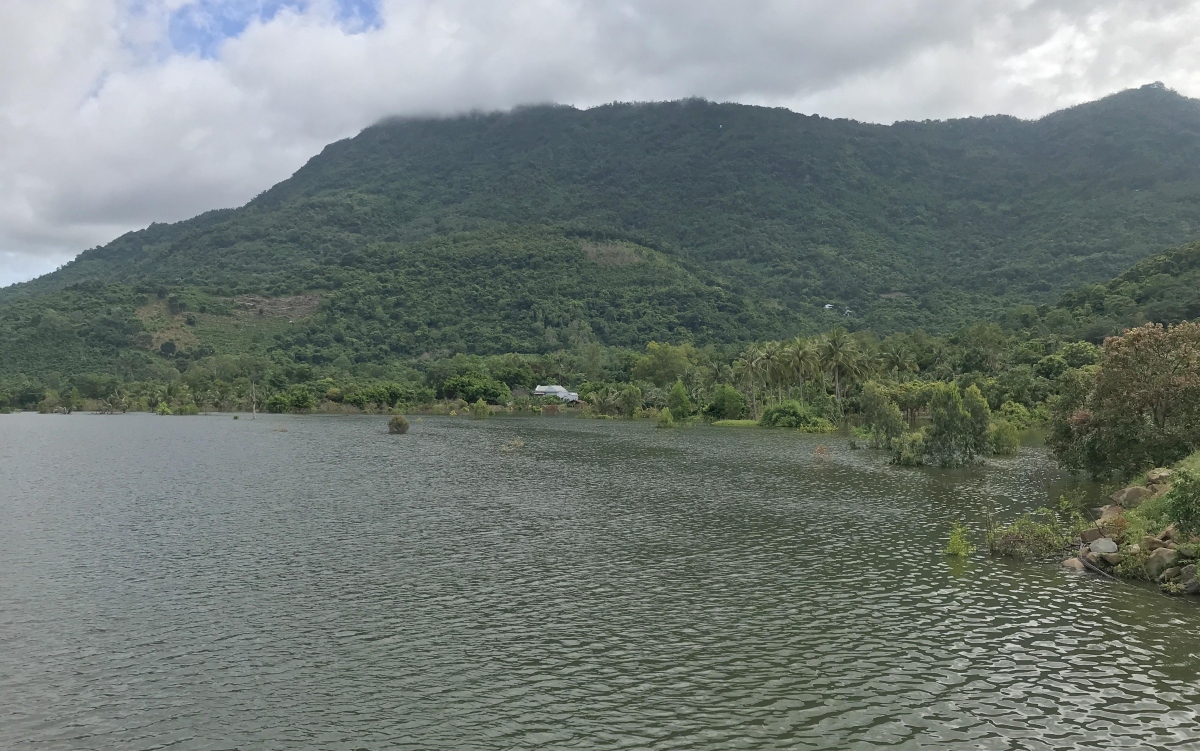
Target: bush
[[960, 543], [472, 387], [793, 414], [1016, 414], [1183, 502], [163, 409], [881, 416], [398, 425], [1033, 536], [678, 401], [908, 450], [727, 404], [480, 409], [1004, 438], [665, 418], [188, 409]]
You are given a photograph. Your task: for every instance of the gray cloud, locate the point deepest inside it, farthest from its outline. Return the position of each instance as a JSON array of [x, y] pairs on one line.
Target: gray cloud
[[104, 128]]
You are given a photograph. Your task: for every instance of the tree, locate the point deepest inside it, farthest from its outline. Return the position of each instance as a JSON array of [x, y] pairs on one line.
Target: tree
[[727, 403], [959, 422], [896, 357], [881, 415], [1140, 407], [678, 401], [630, 400], [841, 358], [750, 367], [663, 363]]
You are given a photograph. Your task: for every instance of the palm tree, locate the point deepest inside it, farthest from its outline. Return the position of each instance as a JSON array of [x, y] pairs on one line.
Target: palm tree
[[895, 357], [750, 366], [841, 358], [774, 365], [803, 363]]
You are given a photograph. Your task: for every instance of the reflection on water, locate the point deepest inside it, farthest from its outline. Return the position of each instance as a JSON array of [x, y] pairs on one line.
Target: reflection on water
[[204, 583]]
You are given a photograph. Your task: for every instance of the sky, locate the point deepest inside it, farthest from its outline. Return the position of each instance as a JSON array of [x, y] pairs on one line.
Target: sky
[[118, 113]]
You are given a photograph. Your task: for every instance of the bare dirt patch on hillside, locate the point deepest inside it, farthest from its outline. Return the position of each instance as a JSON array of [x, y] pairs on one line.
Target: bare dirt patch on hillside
[[292, 307]]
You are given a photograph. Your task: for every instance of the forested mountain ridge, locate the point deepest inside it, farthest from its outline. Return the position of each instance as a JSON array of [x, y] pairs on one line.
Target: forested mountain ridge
[[498, 232]]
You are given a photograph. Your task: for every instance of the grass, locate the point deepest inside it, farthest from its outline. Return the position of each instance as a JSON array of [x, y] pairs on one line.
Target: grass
[[736, 424], [1190, 463]]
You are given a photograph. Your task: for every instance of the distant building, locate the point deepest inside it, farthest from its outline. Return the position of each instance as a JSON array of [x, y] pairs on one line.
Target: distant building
[[848, 312], [559, 391], [828, 306]]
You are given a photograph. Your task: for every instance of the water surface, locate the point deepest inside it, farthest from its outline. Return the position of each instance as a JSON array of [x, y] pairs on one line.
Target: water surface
[[312, 582]]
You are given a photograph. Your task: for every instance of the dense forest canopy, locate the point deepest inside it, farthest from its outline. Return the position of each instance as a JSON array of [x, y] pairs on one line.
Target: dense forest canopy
[[551, 227]]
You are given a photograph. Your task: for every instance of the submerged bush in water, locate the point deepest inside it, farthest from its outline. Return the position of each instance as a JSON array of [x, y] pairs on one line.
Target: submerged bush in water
[[398, 424], [1004, 438], [908, 450], [665, 418], [960, 543], [793, 414], [1037, 535], [480, 410]]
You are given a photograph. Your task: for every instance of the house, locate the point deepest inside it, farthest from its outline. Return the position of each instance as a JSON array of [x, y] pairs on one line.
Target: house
[[559, 391], [828, 306]]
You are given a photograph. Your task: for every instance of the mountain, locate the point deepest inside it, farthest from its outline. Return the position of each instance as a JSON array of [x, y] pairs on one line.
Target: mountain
[[715, 223]]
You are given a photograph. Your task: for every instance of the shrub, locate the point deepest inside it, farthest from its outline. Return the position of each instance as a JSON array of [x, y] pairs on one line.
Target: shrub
[[727, 403], [1183, 502], [678, 401], [960, 543], [480, 409], [665, 418], [881, 416], [908, 450], [163, 409], [188, 409], [1016, 414], [398, 425], [793, 414], [472, 387], [1004, 438], [1033, 536]]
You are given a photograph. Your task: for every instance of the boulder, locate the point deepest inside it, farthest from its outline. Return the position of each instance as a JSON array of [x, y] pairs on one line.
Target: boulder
[[1133, 550], [1159, 561], [1111, 511], [1161, 489], [1192, 587], [1150, 544], [1170, 574], [1103, 545], [1091, 558], [1186, 551], [1131, 496], [1170, 533], [1158, 475], [1188, 573], [1091, 534], [1073, 564], [1112, 559]]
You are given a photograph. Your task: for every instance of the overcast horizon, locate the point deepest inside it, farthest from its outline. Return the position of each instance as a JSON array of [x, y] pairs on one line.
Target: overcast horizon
[[118, 113]]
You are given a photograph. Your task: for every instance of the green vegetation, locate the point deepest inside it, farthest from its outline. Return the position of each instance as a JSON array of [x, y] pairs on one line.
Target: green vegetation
[[960, 541], [398, 425], [1183, 502], [1042, 535]]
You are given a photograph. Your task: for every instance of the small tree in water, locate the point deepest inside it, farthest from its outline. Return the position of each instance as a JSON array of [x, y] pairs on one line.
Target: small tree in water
[[960, 543], [398, 425]]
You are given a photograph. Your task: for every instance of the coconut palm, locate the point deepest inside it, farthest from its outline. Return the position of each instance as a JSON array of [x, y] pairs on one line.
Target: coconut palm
[[803, 362], [841, 358], [895, 357], [750, 367], [774, 366]]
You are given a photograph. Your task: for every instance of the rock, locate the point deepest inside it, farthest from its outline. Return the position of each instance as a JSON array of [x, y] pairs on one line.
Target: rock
[[1186, 551], [1091, 534], [1131, 496], [1091, 558], [1112, 559], [1160, 490], [1133, 550], [1103, 545], [1188, 573], [1170, 574], [1170, 533], [1111, 511], [1192, 587], [1151, 543], [1074, 564], [1159, 561], [1159, 475]]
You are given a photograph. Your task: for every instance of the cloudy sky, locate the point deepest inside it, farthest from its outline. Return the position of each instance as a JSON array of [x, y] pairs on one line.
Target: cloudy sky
[[117, 113]]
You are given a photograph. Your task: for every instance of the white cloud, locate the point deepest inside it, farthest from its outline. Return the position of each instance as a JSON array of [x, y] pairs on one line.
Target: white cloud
[[104, 127]]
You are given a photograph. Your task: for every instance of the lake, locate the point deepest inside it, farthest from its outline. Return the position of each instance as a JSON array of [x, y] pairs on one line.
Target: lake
[[314, 583]]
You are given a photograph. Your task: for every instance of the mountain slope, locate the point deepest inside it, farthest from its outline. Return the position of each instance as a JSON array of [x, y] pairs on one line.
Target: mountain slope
[[470, 233]]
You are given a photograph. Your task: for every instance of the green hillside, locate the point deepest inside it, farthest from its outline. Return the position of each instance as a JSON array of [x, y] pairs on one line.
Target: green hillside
[[685, 221]]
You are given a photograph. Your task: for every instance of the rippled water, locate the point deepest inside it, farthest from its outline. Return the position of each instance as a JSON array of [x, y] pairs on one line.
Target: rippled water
[[205, 583]]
